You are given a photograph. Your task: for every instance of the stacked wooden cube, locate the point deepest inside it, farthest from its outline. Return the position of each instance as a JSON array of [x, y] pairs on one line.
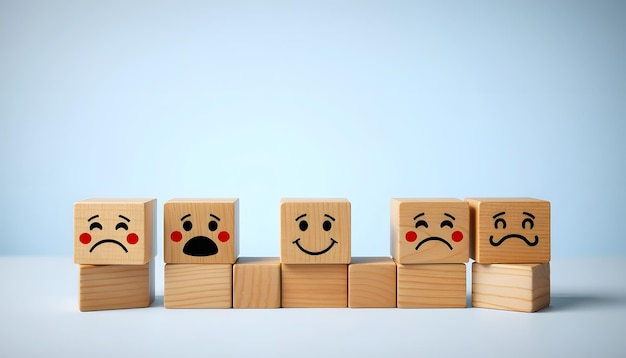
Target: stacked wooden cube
[[511, 247], [201, 244], [114, 245], [430, 246]]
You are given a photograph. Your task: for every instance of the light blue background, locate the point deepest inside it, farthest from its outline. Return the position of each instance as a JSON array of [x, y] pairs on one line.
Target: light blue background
[[262, 100]]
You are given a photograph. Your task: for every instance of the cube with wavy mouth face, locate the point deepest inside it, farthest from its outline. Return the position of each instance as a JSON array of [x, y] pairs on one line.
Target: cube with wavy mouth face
[[429, 230], [198, 231], [315, 231], [114, 231], [510, 230]]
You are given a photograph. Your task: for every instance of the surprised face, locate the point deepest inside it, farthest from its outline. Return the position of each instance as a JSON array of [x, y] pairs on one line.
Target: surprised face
[[201, 231]]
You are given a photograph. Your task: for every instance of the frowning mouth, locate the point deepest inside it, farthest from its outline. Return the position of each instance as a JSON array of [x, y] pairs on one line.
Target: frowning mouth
[[314, 253], [108, 241], [513, 236], [433, 238]]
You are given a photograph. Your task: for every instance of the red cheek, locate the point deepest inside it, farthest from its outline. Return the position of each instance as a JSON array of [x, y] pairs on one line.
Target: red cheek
[[223, 236], [176, 236], [457, 236], [411, 236], [84, 238], [132, 238]]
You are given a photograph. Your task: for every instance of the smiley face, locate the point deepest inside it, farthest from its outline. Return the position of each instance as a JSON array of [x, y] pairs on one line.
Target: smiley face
[[510, 230], [114, 231], [315, 231], [201, 231], [429, 231]]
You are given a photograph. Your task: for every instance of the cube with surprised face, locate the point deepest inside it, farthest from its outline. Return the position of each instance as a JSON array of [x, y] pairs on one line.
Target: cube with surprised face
[[201, 231]]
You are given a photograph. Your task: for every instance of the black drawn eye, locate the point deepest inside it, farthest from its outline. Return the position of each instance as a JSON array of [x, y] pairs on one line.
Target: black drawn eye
[[326, 225], [212, 225], [121, 226], [187, 225], [95, 225], [421, 223], [447, 223], [528, 222], [303, 225], [500, 223]]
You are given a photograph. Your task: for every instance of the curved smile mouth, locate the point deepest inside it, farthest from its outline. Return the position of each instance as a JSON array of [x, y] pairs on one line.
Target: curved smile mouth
[[514, 236], [108, 241], [332, 243], [433, 238], [200, 246]]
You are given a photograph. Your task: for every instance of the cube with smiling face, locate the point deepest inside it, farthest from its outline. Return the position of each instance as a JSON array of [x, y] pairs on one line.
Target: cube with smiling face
[[201, 231], [315, 231], [114, 231], [429, 231]]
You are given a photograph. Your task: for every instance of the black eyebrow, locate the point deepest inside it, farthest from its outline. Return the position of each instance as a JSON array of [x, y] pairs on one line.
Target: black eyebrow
[[529, 214], [418, 215], [93, 217], [300, 217], [184, 217], [450, 216], [328, 216], [218, 219], [498, 214], [124, 217]]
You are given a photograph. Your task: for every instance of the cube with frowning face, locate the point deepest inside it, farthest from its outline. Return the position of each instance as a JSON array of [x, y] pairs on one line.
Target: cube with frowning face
[[114, 231], [315, 231], [429, 231], [510, 230], [201, 231]]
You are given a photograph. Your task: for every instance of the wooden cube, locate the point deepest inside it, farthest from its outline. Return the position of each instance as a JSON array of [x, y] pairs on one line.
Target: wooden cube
[[430, 231], [114, 231], [513, 287], [314, 285], [198, 286], [510, 230], [315, 231], [372, 282], [256, 282], [106, 287], [431, 286], [201, 231]]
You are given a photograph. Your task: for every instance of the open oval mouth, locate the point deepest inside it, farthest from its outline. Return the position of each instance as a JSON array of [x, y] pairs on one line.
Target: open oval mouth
[[200, 246], [315, 253]]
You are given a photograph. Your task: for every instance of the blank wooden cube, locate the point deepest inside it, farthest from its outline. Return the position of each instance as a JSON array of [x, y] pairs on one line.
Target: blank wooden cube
[[314, 285], [510, 230], [431, 286], [513, 287], [315, 231], [372, 282], [201, 231], [256, 282], [430, 231], [105, 287], [114, 231], [198, 286]]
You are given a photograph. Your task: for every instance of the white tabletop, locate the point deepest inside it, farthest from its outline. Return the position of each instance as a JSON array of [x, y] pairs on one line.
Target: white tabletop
[[39, 316]]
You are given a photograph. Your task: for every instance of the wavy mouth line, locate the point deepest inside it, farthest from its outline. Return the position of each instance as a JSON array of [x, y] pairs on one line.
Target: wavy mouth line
[[314, 253], [108, 241], [432, 238], [514, 236]]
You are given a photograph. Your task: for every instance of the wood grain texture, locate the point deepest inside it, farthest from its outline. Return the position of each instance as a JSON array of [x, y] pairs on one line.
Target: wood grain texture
[[372, 282], [114, 231], [513, 287], [198, 286], [509, 230], [256, 282], [430, 230], [326, 235], [190, 222], [105, 287], [431, 286], [314, 285]]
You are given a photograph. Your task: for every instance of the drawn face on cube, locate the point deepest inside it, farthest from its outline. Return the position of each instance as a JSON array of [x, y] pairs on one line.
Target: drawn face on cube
[[512, 231], [113, 232], [430, 231], [315, 231], [200, 231]]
